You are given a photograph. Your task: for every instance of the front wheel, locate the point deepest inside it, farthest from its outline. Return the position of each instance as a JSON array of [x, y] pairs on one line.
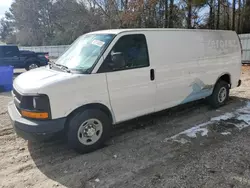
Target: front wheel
[[220, 94], [88, 130]]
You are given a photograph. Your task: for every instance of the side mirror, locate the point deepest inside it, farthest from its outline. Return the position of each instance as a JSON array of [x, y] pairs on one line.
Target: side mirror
[[117, 60]]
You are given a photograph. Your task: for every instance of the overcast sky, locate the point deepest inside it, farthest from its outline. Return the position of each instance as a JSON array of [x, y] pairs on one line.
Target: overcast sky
[[4, 6]]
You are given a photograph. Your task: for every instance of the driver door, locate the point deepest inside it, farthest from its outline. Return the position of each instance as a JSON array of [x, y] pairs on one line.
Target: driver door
[[131, 82]]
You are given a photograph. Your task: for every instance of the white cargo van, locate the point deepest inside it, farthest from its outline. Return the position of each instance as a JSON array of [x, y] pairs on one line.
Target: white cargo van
[[110, 76]]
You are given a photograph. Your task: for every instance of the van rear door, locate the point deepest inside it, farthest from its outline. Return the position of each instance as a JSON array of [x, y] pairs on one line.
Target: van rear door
[[131, 84]]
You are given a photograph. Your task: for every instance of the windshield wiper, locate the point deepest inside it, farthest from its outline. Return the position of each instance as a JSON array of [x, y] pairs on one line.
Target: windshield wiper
[[61, 67]]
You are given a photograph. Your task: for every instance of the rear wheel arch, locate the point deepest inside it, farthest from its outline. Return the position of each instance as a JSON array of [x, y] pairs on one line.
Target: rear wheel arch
[[223, 81], [220, 94], [226, 77]]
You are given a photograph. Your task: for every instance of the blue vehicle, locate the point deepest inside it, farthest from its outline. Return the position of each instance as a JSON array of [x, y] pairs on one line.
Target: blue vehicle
[[11, 55]]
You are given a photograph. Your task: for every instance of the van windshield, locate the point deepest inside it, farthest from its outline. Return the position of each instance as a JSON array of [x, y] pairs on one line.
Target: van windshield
[[85, 51]]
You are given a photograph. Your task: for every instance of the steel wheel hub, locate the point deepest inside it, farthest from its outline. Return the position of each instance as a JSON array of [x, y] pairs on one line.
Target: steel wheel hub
[[222, 94], [33, 66], [90, 131]]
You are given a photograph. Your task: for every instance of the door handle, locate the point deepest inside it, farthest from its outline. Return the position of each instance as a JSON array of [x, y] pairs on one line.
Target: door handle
[[152, 74]]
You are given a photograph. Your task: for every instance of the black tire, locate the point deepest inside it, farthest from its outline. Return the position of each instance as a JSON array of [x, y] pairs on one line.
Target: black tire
[[214, 98], [75, 123], [27, 67]]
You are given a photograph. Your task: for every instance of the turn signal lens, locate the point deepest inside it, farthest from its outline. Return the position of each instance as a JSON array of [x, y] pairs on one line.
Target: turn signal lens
[[35, 115]]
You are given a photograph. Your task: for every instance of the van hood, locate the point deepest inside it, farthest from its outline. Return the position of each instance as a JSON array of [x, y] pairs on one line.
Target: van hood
[[32, 81]]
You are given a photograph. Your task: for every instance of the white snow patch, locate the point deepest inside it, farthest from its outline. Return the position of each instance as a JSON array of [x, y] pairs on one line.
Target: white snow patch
[[192, 132], [244, 117], [182, 140], [226, 133], [97, 180], [225, 116], [240, 114], [248, 105], [244, 110], [241, 126]]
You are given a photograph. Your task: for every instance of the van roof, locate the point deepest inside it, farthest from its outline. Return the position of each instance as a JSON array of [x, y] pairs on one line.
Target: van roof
[[117, 31]]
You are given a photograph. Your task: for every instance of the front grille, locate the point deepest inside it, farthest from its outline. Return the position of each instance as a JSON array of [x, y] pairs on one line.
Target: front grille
[[17, 99], [17, 95]]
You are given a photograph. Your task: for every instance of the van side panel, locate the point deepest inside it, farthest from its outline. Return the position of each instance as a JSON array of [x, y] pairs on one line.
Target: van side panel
[[188, 63], [175, 56]]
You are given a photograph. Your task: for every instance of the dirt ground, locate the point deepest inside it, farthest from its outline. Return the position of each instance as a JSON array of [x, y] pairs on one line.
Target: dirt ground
[[188, 146]]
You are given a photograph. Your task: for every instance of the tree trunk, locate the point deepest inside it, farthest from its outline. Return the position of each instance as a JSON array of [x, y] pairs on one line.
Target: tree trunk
[[166, 14], [171, 18], [239, 18], [243, 15], [233, 17], [189, 18], [228, 16], [218, 15], [125, 5], [224, 15], [211, 14], [246, 25], [160, 14]]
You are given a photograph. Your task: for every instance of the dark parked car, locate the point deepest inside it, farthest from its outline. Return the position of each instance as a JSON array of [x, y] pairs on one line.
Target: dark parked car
[[11, 55]]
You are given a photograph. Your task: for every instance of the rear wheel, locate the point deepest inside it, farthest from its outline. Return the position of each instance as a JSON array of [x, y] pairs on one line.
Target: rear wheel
[[88, 130], [220, 94], [31, 65]]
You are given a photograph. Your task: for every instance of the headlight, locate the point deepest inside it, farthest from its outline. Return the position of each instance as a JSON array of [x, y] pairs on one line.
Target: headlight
[[35, 107]]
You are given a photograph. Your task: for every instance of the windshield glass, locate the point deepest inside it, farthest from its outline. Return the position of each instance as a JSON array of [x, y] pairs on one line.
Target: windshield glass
[[85, 51]]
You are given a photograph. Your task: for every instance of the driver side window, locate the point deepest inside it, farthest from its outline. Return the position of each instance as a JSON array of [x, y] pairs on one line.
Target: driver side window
[[129, 52]]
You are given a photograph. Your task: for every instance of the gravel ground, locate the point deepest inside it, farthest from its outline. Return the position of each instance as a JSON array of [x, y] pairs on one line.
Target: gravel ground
[[180, 147]]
